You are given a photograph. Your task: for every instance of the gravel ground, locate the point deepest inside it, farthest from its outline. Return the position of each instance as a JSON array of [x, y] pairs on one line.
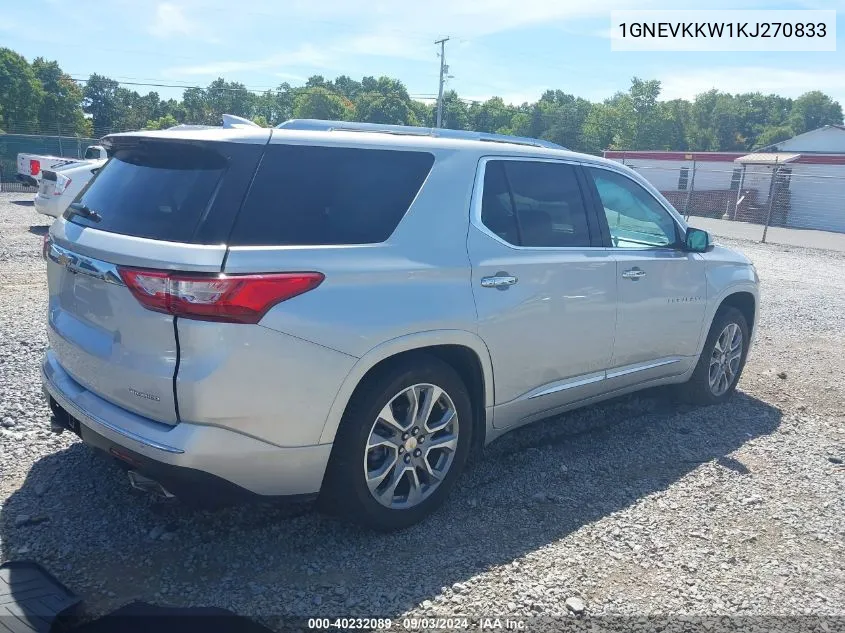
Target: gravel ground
[[633, 508]]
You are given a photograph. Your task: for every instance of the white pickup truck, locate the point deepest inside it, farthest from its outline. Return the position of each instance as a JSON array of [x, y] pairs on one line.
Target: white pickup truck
[[30, 166]]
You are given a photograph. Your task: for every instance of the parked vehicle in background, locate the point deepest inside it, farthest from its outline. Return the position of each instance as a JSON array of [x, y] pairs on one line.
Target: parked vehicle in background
[[351, 310], [31, 166], [57, 188]]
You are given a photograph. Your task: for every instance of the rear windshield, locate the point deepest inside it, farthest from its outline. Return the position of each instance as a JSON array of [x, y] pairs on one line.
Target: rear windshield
[[306, 195], [154, 192]]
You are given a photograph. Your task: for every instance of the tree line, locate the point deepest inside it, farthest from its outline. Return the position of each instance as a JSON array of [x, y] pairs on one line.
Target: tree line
[[38, 97]]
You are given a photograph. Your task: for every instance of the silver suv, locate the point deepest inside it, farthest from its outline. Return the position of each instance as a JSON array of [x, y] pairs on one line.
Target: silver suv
[[351, 311]]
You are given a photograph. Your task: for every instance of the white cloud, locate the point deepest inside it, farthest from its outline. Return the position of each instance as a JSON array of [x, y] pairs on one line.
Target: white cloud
[[170, 20], [306, 55], [686, 83]]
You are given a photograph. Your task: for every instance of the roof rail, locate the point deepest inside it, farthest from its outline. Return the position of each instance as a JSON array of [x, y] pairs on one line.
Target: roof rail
[[410, 130]]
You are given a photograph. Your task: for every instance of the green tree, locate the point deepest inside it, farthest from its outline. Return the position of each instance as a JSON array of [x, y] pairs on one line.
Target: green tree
[[101, 99], [562, 119], [225, 97], [492, 115], [813, 110], [321, 103], [276, 105], [387, 102], [773, 135], [196, 107], [455, 116], [60, 111], [21, 93], [347, 87], [162, 123]]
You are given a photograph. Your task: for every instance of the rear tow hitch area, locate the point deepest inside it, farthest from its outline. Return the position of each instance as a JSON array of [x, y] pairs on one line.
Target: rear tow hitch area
[[144, 483], [60, 420]]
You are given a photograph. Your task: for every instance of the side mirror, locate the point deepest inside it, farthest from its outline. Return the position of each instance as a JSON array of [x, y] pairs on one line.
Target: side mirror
[[696, 240]]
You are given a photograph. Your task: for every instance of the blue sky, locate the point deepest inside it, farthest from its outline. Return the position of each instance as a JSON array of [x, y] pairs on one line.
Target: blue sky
[[511, 48]]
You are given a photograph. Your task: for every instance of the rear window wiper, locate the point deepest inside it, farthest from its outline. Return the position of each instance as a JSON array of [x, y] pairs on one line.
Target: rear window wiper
[[77, 208]]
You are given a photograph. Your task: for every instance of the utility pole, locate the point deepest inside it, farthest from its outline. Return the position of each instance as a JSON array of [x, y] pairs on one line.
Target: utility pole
[[443, 70]]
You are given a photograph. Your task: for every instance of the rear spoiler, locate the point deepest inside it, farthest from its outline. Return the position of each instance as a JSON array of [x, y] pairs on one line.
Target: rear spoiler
[[181, 133]]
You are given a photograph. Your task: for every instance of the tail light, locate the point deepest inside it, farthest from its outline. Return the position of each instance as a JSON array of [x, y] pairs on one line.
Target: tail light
[[45, 245], [34, 167], [62, 183], [228, 298]]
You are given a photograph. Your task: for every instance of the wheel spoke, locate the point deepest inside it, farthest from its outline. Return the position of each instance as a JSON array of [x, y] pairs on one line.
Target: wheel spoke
[[413, 408], [389, 491], [396, 462], [442, 423], [375, 479], [378, 439], [445, 442], [433, 475], [431, 394], [415, 492]]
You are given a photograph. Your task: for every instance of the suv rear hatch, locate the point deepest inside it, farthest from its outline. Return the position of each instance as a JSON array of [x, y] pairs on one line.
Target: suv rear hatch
[[164, 202]]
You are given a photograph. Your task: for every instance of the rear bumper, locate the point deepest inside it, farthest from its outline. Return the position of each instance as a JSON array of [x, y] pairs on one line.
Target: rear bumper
[[189, 460]]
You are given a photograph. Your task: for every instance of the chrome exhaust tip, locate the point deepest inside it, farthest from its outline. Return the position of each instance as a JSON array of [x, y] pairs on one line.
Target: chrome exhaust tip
[[144, 483]]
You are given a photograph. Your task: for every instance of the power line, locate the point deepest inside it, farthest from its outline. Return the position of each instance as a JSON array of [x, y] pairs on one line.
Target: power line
[[252, 89]]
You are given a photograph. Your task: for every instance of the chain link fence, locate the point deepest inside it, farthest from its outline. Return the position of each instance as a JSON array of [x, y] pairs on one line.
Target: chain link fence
[[792, 195], [13, 144]]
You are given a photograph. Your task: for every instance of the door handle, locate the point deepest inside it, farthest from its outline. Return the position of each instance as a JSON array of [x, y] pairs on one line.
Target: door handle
[[501, 281], [633, 274]]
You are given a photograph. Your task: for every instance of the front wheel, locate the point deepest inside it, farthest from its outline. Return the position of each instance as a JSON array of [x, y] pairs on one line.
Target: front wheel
[[401, 445], [722, 359]]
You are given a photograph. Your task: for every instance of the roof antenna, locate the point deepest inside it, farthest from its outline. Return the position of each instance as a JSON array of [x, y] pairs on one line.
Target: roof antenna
[[234, 121]]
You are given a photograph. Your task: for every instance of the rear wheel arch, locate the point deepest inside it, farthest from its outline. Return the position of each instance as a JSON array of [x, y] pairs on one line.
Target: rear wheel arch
[[461, 350]]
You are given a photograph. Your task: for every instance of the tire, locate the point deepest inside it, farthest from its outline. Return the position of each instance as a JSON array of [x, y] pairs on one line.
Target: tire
[[345, 488], [697, 389]]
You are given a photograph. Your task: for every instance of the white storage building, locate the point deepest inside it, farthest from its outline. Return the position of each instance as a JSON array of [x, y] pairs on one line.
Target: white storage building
[[808, 192]]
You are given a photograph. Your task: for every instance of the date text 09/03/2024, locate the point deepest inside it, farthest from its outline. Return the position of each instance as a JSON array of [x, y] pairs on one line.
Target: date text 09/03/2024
[[416, 624]]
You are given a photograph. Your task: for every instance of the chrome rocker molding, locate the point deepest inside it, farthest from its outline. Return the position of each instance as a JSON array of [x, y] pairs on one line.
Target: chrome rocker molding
[[580, 381]]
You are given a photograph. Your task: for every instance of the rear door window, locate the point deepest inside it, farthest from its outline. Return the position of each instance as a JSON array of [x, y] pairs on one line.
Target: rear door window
[[535, 204], [159, 192], [309, 195]]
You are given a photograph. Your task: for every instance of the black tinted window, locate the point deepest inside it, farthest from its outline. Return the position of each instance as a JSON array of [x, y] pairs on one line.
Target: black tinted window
[[329, 195], [154, 192], [535, 203], [496, 205]]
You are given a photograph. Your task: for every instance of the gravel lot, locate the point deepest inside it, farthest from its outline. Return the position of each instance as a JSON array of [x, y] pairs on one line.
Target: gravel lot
[[636, 507]]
